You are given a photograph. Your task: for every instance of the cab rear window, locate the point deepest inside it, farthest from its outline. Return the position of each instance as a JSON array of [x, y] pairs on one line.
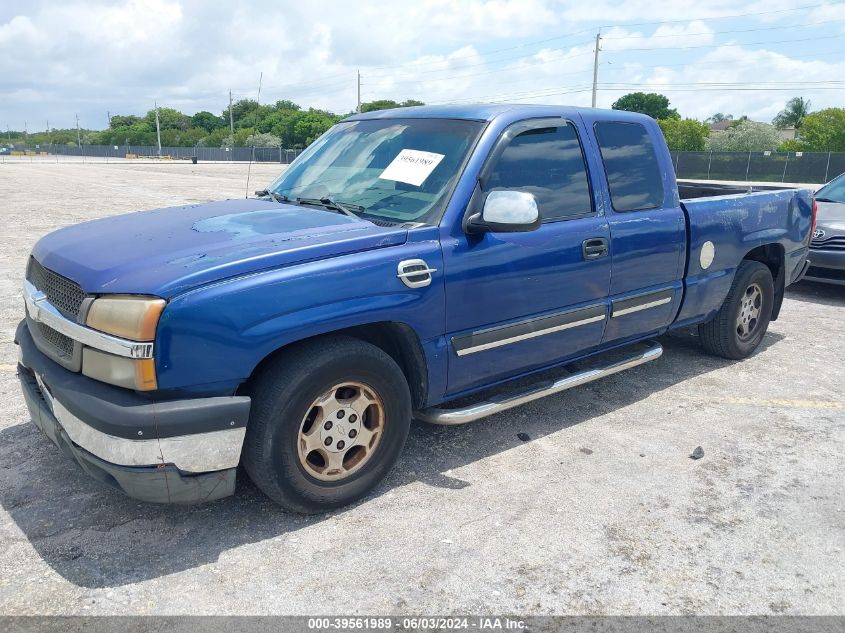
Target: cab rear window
[[630, 162]]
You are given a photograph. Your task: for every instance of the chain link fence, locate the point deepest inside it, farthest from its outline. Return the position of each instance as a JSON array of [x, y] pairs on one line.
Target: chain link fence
[[796, 167], [135, 152]]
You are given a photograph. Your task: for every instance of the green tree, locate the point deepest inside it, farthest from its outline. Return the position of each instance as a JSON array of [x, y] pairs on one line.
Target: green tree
[[684, 134], [168, 118], [263, 140], [240, 109], [387, 104], [824, 131], [207, 121], [122, 121], [719, 117], [793, 114], [792, 145], [746, 136], [654, 105], [284, 104]]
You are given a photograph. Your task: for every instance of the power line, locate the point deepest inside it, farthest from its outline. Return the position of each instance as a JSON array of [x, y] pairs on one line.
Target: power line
[[683, 48], [765, 28], [585, 71], [606, 26], [566, 57], [722, 17], [320, 85]]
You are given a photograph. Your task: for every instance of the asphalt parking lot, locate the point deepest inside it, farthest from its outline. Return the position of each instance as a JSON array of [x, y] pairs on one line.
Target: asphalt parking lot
[[600, 511]]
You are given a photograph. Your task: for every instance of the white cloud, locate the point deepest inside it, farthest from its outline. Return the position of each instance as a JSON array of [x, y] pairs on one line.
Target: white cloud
[[89, 56]]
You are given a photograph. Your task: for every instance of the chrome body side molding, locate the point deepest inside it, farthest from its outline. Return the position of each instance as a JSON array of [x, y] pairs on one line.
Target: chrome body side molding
[[507, 401], [645, 301], [515, 332], [42, 311]]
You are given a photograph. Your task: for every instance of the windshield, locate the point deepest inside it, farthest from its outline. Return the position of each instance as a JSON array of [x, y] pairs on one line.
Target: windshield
[[395, 170], [834, 190]]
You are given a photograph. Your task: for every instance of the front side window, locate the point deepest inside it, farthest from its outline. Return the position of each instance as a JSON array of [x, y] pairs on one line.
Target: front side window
[[393, 170], [548, 163], [630, 162]]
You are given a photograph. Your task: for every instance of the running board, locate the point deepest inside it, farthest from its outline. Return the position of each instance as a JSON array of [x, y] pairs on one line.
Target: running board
[[507, 401]]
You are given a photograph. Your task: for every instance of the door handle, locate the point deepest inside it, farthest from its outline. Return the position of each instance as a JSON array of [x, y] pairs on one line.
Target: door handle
[[595, 248]]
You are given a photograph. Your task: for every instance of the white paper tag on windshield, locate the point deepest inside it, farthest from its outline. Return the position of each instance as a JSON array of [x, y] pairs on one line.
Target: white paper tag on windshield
[[412, 166]]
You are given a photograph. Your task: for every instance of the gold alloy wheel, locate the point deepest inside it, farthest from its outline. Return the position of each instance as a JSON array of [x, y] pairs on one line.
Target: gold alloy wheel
[[749, 312], [341, 431]]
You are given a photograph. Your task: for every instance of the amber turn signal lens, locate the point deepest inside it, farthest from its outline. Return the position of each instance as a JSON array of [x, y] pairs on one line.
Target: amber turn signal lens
[[132, 373]]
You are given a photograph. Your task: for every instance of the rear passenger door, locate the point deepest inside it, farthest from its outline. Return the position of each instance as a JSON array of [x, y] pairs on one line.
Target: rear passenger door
[[647, 230]]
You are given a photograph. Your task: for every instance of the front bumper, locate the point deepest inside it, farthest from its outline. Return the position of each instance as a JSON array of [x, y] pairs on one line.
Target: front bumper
[[163, 451]]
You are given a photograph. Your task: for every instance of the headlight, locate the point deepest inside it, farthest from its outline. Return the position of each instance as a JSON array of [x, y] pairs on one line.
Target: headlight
[[130, 317], [126, 316]]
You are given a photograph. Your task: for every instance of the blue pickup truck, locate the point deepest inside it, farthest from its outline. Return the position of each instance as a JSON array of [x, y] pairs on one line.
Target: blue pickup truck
[[408, 262]]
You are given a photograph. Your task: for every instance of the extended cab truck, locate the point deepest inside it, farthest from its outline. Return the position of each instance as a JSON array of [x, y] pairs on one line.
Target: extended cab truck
[[407, 259]]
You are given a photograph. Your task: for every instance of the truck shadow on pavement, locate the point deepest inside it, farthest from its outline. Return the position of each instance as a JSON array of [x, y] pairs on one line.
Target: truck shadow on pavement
[[815, 292], [96, 537]]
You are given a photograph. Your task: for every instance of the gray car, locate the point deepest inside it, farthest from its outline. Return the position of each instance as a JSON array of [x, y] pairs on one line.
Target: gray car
[[827, 247]]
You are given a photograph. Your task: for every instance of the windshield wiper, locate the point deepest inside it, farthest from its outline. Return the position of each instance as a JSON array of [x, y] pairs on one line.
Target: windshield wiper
[[826, 200], [330, 203], [278, 197]]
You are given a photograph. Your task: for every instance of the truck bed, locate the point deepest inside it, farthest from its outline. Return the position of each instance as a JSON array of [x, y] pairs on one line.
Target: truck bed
[[725, 223], [691, 189]]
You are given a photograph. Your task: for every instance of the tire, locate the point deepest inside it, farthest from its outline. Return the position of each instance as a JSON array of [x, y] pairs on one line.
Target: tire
[[735, 332], [308, 401]]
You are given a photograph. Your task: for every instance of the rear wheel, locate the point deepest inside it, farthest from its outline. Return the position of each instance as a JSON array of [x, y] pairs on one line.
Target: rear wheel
[[328, 421], [740, 324]]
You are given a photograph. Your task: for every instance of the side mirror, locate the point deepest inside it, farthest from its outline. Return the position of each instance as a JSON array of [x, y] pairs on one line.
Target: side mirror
[[506, 212]]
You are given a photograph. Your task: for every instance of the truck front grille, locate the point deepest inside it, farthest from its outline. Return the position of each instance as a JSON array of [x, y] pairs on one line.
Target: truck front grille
[[64, 294], [835, 243], [62, 344]]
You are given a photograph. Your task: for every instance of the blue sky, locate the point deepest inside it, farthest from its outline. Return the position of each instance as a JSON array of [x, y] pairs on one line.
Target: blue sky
[[90, 57]]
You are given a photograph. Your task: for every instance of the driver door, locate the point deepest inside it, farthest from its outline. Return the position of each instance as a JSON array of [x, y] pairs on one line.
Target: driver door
[[520, 301]]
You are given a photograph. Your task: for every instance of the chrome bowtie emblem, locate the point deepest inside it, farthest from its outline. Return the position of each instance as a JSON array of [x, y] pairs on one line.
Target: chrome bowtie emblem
[[818, 234]]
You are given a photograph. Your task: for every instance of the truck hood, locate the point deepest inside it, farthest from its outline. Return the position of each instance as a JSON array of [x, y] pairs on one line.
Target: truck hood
[[167, 251]]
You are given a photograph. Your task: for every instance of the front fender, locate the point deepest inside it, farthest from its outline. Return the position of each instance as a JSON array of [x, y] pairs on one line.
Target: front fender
[[218, 334]]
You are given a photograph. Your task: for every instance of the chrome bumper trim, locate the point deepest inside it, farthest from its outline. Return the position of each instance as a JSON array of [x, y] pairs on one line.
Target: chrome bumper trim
[[197, 453], [42, 311], [502, 403]]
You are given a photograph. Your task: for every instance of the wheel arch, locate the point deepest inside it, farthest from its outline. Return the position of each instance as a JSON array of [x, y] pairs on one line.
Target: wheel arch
[[398, 340], [774, 257]]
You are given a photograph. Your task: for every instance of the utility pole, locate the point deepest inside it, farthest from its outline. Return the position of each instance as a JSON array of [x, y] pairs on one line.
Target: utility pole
[[596, 67], [108, 116], [231, 126], [158, 129], [252, 150], [25, 135], [9, 134], [49, 141], [358, 108], [78, 137]]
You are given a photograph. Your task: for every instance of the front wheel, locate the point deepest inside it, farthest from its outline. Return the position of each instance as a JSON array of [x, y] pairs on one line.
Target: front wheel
[[328, 421], [740, 324]]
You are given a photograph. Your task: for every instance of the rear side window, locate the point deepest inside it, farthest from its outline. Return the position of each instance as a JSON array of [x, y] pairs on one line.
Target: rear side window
[[630, 162], [548, 163]]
